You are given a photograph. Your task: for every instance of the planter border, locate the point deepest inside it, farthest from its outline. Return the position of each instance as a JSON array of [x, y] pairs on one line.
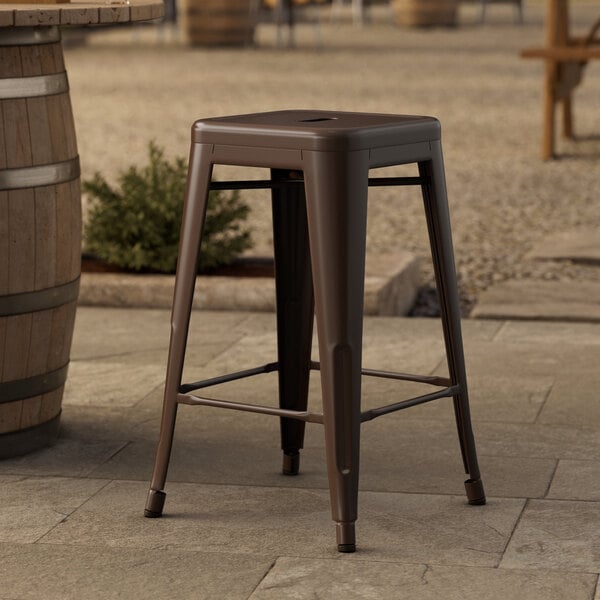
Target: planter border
[[391, 286]]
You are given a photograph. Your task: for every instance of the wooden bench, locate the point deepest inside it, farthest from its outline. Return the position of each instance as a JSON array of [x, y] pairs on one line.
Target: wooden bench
[[565, 57]]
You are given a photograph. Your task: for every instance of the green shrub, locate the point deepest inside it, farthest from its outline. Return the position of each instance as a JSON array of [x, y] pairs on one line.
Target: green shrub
[[136, 226]]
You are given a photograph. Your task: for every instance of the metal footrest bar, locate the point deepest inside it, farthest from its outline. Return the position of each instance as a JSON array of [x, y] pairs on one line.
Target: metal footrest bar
[[396, 181], [369, 415], [185, 398], [307, 416], [311, 417], [428, 379], [198, 385], [315, 366], [268, 184]]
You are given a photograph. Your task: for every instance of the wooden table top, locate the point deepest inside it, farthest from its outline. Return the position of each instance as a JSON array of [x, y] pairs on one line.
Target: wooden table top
[[79, 13]]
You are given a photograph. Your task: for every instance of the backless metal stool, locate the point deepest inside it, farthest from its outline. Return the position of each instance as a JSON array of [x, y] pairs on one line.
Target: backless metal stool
[[319, 238]]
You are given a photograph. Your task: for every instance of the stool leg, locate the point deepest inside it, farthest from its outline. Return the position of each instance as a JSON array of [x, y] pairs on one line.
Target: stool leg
[[295, 312], [194, 212], [336, 191], [440, 236]]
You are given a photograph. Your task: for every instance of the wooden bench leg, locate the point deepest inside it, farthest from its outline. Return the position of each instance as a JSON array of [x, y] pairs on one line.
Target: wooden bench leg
[[549, 102], [567, 117]]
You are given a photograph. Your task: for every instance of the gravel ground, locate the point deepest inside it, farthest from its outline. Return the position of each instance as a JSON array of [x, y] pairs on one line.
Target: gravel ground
[[133, 85]]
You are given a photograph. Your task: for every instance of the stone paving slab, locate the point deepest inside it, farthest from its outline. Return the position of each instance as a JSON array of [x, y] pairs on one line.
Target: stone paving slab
[[409, 461], [396, 349], [100, 382], [538, 441], [522, 360], [581, 245], [526, 299], [574, 400], [549, 333], [216, 446], [65, 458], [515, 399], [108, 423], [556, 535], [100, 333], [305, 579], [417, 328], [249, 520], [576, 480], [51, 572], [31, 507]]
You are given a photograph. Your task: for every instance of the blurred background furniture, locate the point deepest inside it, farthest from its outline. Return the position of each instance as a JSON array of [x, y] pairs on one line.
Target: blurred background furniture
[[565, 58], [517, 3], [286, 13], [359, 9], [425, 13], [218, 22]]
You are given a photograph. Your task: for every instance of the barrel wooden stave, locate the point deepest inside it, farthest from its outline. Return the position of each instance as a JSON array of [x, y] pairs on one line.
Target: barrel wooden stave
[[40, 247], [425, 13], [217, 22]]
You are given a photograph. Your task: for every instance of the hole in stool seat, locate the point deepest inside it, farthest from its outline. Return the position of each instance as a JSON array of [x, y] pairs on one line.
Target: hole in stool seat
[[316, 119]]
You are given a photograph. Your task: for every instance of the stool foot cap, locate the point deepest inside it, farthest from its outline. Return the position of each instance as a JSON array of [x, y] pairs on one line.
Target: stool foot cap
[[154, 504], [475, 492], [291, 463], [346, 537]]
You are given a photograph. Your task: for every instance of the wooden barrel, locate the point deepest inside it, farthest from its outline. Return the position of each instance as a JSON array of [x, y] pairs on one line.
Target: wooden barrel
[[425, 13], [217, 22], [40, 236]]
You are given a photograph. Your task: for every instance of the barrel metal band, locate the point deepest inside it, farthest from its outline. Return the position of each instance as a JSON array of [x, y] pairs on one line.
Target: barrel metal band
[[45, 299], [29, 36], [24, 177], [12, 391], [33, 87]]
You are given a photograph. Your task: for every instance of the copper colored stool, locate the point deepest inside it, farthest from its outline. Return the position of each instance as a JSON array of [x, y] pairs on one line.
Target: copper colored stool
[[319, 237]]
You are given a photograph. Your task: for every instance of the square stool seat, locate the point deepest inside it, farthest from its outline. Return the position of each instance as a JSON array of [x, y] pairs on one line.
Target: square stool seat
[[325, 131], [319, 163]]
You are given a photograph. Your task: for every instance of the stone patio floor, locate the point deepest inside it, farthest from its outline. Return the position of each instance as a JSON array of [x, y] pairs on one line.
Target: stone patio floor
[[72, 523]]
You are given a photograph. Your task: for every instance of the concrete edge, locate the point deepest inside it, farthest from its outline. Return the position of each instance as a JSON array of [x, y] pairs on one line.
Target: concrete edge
[[391, 286]]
